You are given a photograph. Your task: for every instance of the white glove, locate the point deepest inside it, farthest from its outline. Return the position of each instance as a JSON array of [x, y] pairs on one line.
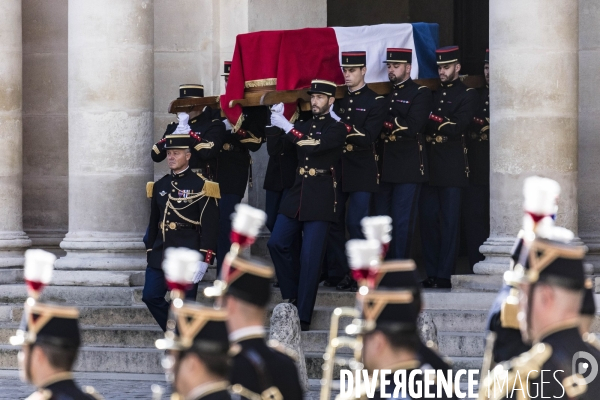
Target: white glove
[[227, 124], [333, 114], [200, 271], [183, 127], [280, 121], [277, 108]]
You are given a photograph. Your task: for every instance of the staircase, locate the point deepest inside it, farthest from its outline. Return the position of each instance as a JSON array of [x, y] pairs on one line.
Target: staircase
[[119, 332]]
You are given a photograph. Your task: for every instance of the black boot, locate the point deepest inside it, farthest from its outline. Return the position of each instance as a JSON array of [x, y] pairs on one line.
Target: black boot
[[346, 283], [428, 283]]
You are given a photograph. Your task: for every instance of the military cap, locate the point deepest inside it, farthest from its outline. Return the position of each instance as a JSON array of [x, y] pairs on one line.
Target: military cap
[[354, 59], [191, 91], [226, 68], [447, 55], [398, 55], [179, 141], [198, 328], [554, 262], [247, 280], [48, 324], [390, 310], [322, 87], [487, 56]]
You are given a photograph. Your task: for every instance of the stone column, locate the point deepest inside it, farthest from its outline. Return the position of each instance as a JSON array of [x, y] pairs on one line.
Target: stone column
[[111, 71], [13, 240], [533, 95], [589, 126], [45, 123]]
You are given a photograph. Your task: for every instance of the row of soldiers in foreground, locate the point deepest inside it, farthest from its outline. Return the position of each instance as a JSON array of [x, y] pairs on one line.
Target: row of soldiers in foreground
[[400, 152], [220, 352]]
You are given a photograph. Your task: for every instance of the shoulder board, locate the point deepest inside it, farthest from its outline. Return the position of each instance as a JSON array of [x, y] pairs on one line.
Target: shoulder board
[[89, 390], [42, 394], [379, 97], [211, 189], [193, 121], [422, 87], [508, 313], [149, 189], [592, 340], [275, 345]]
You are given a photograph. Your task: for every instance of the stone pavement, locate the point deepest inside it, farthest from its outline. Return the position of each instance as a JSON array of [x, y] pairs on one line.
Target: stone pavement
[[111, 386]]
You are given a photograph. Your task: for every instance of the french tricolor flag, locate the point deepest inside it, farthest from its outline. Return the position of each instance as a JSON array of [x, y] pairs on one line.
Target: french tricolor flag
[[290, 59]]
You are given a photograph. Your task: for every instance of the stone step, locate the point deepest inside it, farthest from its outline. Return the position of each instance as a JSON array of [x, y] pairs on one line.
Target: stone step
[[100, 316], [101, 359], [461, 344], [73, 295], [474, 282], [459, 320]]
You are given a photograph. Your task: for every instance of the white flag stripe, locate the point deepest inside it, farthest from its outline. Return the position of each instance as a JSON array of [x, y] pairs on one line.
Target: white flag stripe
[[375, 39]]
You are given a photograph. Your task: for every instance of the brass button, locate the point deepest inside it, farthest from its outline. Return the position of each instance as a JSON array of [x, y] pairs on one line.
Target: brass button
[[343, 151], [172, 225], [314, 126], [226, 146], [306, 176], [169, 213], [439, 109], [484, 109], [441, 101], [176, 183], [312, 172], [443, 94], [390, 108], [307, 158], [487, 102], [350, 100], [349, 109], [301, 171], [172, 190], [386, 141], [395, 94], [349, 147], [306, 166], [347, 117]]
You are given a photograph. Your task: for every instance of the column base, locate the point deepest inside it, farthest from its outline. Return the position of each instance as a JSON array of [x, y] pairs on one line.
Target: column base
[[497, 256], [103, 251], [12, 246], [48, 240]]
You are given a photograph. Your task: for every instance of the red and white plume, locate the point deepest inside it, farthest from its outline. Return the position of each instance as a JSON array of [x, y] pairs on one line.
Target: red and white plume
[[39, 265], [180, 265], [364, 257], [541, 195], [378, 228], [246, 224]]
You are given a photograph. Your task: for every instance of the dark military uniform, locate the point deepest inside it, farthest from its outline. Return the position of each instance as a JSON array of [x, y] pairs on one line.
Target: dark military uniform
[[440, 202], [309, 207], [64, 389], [561, 350], [363, 112], [200, 331], [402, 157], [281, 172], [477, 195], [183, 213], [234, 167], [57, 328], [207, 134]]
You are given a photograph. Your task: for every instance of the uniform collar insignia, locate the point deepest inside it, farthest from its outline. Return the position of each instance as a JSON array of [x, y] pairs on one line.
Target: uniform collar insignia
[[319, 117], [162, 193]]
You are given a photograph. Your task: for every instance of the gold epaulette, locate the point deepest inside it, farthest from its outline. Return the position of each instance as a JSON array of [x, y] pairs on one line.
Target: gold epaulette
[[42, 394], [92, 392], [276, 345], [516, 373], [509, 310], [211, 189], [149, 189]]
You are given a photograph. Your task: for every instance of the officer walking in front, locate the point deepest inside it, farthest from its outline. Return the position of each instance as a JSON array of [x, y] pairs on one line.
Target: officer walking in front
[[440, 201], [311, 203], [362, 111], [183, 213], [477, 194], [550, 285], [206, 130], [50, 338], [402, 156], [235, 165]]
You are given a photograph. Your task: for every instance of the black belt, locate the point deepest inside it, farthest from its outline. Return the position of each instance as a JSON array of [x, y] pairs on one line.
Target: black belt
[[313, 171], [353, 147], [440, 139], [482, 137], [231, 147], [397, 138], [177, 225]]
